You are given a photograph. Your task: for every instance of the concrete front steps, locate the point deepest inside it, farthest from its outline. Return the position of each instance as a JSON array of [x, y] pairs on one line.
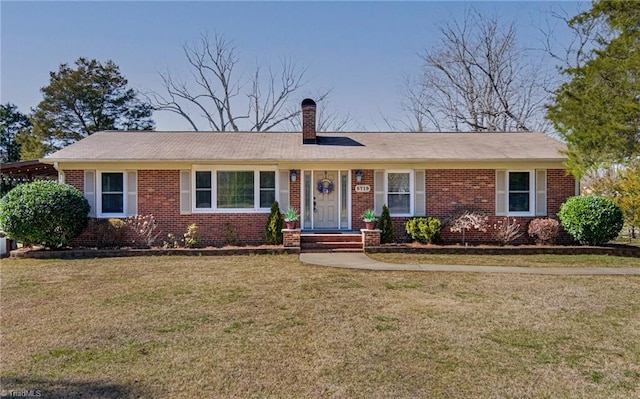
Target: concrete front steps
[[331, 242]]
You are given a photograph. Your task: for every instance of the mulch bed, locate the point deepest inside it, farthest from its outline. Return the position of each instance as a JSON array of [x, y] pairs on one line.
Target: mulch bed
[[613, 249], [88, 253]]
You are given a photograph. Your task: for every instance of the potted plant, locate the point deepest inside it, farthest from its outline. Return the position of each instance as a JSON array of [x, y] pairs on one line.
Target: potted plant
[[291, 217], [369, 217]]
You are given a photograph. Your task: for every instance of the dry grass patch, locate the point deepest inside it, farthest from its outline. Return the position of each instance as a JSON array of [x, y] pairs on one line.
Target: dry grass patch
[[268, 326], [510, 260]]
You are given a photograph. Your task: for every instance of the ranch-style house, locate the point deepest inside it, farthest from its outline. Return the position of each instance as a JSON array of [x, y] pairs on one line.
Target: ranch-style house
[[228, 181]]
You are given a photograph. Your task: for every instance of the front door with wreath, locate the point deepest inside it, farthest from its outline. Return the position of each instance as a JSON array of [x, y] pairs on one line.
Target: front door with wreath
[[326, 197]]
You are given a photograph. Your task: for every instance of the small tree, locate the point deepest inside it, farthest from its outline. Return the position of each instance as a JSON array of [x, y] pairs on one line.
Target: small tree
[[591, 220], [44, 212], [386, 226], [467, 221], [273, 229]]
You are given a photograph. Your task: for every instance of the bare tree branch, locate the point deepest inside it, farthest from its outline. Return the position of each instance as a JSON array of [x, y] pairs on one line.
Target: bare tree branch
[[215, 90], [477, 79]]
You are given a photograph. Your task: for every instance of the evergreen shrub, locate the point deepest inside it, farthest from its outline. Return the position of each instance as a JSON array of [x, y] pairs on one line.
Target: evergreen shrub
[[591, 220], [44, 212]]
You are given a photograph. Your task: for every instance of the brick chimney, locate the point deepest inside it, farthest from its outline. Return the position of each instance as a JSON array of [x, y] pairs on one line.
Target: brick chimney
[[308, 121]]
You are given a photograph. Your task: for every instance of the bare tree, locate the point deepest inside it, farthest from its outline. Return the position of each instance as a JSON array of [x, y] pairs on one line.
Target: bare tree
[[216, 93], [477, 79]]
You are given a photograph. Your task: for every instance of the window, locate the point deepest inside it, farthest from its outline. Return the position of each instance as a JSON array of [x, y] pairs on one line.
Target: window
[[267, 189], [233, 190], [112, 193], [203, 189], [399, 193], [519, 192]]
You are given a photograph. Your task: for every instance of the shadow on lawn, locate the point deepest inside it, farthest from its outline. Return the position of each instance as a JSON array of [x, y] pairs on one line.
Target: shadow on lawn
[[57, 389]]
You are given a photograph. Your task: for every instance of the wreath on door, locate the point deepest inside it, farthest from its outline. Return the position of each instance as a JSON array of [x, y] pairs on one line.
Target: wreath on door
[[325, 186]]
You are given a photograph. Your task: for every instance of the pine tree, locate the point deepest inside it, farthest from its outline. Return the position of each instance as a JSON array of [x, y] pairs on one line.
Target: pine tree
[[273, 229], [597, 112], [386, 225]]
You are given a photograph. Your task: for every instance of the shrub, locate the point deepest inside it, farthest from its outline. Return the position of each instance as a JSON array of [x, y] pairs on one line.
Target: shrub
[[591, 220], [172, 242], [44, 212], [386, 226], [544, 230], [424, 230], [273, 229], [230, 235], [108, 233], [144, 229], [506, 232], [189, 237]]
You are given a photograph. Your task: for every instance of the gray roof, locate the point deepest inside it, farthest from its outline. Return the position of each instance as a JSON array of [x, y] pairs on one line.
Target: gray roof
[[261, 147]]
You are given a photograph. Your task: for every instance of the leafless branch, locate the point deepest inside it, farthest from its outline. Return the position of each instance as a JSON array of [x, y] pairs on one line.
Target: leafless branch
[[215, 90], [477, 79]]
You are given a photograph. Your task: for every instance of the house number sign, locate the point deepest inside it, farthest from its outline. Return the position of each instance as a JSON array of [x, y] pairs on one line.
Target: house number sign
[[363, 188]]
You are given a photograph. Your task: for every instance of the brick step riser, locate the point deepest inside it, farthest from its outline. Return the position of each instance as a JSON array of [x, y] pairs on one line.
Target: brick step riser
[[331, 239], [327, 250], [347, 246]]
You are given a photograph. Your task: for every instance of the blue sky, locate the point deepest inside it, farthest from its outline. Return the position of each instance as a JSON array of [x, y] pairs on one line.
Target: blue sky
[[359, 50]]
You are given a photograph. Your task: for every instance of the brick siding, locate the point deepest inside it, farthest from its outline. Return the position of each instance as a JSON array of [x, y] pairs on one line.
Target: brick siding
[[360, 202], [447, 191]]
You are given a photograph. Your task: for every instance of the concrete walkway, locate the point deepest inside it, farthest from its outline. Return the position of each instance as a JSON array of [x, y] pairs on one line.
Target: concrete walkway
[[351, 260]]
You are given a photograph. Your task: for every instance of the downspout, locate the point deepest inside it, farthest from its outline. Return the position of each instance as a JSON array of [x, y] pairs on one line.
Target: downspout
[[60, 173]]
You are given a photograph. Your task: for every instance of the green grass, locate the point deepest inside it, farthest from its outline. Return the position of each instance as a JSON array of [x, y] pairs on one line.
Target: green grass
[[510, 260], [269, 326]]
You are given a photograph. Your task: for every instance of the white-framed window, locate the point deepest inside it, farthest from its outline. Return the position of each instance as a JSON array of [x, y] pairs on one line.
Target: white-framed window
[[204, 189], [399, 193], [233, 190], [516, 192], [520, 192], [111, 194], [267, 188]]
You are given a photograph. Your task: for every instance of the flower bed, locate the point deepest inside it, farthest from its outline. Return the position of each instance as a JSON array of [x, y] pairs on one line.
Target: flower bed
[[85, 253]]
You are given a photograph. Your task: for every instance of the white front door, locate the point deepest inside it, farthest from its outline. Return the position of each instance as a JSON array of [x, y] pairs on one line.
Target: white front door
[[326, 199]]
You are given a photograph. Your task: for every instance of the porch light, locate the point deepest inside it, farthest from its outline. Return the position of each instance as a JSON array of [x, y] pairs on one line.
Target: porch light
[[294, 175], [358, 175]]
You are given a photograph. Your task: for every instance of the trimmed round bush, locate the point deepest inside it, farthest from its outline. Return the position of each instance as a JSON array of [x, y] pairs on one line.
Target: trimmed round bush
[[591, 220], [425, 230], [544, 230], [44, 212]]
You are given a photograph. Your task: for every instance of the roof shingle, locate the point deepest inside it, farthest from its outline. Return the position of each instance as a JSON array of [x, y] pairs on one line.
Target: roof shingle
[[243, 146]]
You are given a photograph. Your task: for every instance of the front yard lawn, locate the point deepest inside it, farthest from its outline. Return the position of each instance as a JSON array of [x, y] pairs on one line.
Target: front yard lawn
[[269, 326], [510, 260]]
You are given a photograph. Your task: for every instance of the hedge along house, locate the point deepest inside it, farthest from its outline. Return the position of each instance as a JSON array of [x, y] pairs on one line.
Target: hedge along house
[[226, 182]]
